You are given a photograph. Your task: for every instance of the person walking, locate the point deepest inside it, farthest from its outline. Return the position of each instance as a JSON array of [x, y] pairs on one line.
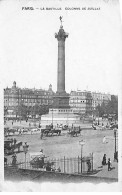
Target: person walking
[[109, 165]]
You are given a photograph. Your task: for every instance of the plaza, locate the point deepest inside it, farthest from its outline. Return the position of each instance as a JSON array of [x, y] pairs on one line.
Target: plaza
[[68, 146]]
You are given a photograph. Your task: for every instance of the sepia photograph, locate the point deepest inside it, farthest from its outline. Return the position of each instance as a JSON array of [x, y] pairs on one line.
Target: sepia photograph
[[60, 88]]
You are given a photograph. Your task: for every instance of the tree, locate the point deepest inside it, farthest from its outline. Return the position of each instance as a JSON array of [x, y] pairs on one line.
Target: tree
[[39, 110], [21, 111], [111, 107], [44, 109], [101, 109]]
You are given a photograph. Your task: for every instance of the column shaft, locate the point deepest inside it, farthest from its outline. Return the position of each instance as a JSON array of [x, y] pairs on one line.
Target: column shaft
[[61, 66]]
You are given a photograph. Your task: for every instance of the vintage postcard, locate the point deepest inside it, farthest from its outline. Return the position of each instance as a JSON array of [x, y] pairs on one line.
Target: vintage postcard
[[60, 85]]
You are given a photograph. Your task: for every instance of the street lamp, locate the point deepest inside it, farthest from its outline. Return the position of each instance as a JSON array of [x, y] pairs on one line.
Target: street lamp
[[25, 149], [67, 118], [115, 153], [82, 144], [52, 116], [98, 118]]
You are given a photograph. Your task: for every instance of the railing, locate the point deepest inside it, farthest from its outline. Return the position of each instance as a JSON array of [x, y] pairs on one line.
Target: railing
[[63, 165]]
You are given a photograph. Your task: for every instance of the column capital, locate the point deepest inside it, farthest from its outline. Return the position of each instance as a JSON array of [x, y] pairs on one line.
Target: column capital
[[61, 35]]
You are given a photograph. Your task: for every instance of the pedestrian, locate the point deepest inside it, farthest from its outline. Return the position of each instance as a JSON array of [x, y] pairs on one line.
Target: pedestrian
[[104, 140], [12, 122], [98, 122], [89, 166], [107, 126], [104, 160], [42, 156], [5, 161], [41, 152], [14, 159], [20, 132], [59, 169], [53, 168], [15, 141], [48, 167], [109, 165], [51, 126], [41, 135], [12, 141], [23, 129], [25, 143]]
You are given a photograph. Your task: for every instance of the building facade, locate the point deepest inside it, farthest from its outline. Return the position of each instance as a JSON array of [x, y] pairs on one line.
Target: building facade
[[81, 102], [98, 98], [85, 102], [15, 96]]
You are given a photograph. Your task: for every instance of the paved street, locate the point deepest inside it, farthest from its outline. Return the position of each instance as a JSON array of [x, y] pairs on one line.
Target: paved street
[[65, 145]]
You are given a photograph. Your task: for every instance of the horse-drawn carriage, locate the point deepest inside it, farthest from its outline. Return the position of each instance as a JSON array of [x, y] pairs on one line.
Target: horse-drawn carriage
[[113, 126], [49, 130], [99, 127], [10, 131], [65, 127], [10, 146], [104, 127], [38, 161], [75, 131]]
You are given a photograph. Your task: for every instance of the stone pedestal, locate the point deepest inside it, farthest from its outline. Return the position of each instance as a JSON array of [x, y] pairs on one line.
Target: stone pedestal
[[61, 100]]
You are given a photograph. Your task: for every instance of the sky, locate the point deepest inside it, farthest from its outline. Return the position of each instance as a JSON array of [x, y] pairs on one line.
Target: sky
[[29, 50]]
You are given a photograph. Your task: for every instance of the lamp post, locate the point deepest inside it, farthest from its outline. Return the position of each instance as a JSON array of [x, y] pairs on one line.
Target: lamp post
[[115, 153], [25, 149], [67, 118], [82, 144], [52, 116], [98, 118]]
